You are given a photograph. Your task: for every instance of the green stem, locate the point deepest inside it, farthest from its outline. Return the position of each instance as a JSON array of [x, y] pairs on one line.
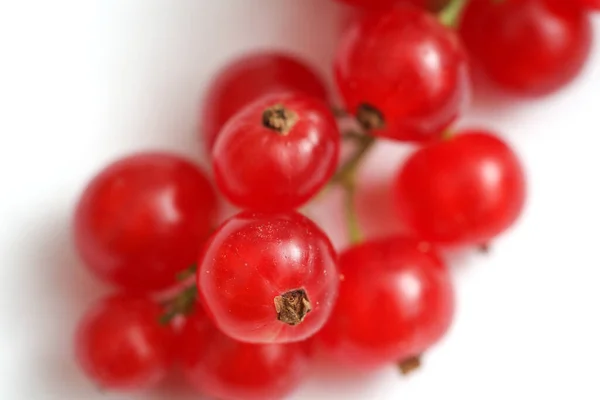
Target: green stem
[[346, 177], [187, 273], [355, 234], [451, 14], [447, 134], [182, 304], [347, 169]]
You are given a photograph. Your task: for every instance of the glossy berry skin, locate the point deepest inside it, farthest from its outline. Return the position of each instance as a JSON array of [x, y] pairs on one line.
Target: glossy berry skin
[[143, 218], [592, 4], [403, 74], [277, 153], [258, 266], [249, 77], [225, 369], [120, 344], [396, 300], [463, 191], [530, 47]]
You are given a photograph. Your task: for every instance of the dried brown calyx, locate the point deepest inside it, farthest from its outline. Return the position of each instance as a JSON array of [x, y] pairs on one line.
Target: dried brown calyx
[[279, 119], [292, 306], [410, 365], [369, 117]]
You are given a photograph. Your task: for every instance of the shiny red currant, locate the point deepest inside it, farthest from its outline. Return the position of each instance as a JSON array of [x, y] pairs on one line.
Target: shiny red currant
[[592, 4], [277, 153], [396, 300], [120, 344], [463, 191], [531, 47], [268, 278], [249, 77], [403, 74], [143, 219], [225, 369]]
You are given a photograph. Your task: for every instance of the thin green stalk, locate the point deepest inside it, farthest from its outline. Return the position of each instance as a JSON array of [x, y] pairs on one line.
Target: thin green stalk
[[451, 15], [182, 304], [347, 169], [346, 178], [355, 234]]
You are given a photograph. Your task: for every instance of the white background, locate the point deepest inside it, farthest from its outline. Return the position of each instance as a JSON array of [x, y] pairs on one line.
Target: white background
[[82, 82]]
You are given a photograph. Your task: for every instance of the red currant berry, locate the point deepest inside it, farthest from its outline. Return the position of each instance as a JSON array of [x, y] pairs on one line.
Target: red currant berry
[[531, 47], [268, 278], [120, 344], [592, 4], [277, 153], [466, 190], [223, 368], [143, 219], [250, 77], [403, 74], [396, 300]]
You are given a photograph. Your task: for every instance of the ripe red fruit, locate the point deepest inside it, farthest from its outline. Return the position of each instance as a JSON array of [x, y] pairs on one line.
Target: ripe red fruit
[[277, 153], [120, 345], [403, 74], [593, 4], [396, 300], [143, 219], [466, 190], [223, 368], [531, 47], [249, 77], [268, 278]]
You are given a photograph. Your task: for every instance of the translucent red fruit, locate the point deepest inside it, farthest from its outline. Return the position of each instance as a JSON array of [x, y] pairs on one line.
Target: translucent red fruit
[[403, 74], [277, 153], [120, 344], [395, 301], [143, 219], [223, 368], [249, 77], [593, 4], [466, 190], [531, 47], [268, 278]]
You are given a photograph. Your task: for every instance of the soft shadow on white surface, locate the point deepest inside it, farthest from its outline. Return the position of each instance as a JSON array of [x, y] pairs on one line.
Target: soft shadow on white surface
[[163, 56], [53, 292]]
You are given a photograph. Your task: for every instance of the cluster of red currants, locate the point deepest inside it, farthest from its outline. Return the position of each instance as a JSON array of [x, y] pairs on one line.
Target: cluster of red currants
[[249, 301]]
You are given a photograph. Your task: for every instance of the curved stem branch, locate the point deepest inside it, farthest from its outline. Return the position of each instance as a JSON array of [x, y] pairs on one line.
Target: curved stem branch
[[352, 224], [347, 169], [182, 304], [346, 177]]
